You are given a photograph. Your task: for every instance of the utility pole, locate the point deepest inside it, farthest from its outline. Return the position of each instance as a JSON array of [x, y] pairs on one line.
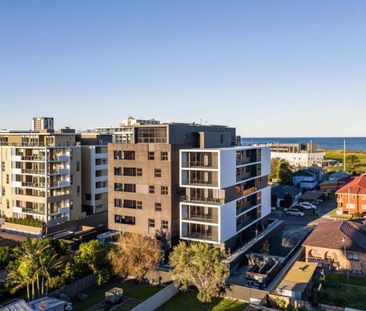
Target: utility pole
[[344, 155]]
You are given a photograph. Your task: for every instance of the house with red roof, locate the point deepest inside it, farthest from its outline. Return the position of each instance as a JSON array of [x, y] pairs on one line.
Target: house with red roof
[[351, 198]]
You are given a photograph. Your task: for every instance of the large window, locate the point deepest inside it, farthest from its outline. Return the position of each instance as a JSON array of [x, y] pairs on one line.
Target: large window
[[152, 134]]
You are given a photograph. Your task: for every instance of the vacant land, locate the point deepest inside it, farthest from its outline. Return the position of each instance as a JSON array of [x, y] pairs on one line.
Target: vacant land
[[185, 301], [340, 292], [138, 292], [338, 155]]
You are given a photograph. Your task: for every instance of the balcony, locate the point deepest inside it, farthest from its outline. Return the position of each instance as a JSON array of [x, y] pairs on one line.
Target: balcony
[[200, 232], [31, 158], [20, 184], [29, 211], [59, 184], [60, 171], [203, 200], [203, 183], [202, 218], [60, 158]]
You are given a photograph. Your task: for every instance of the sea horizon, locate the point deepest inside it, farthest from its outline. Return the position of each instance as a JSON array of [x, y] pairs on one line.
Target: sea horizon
[[334, 143]]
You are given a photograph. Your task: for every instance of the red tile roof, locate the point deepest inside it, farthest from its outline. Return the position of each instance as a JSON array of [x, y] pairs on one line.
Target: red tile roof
[[356, 186]]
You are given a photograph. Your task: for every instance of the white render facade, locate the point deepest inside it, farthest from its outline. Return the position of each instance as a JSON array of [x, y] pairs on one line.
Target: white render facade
[[227, 192], [300, 159]]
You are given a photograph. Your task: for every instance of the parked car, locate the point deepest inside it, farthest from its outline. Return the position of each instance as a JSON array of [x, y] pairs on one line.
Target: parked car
[[293, 212], [307, 205], [114, 295]]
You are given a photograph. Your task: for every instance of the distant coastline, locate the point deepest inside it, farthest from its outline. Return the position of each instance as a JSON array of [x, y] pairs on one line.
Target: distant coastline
[[333, 143]]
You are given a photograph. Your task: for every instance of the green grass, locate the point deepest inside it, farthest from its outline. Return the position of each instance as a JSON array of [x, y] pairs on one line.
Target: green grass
[[185, 301], [338, 155], [130, 289], [340, 294]]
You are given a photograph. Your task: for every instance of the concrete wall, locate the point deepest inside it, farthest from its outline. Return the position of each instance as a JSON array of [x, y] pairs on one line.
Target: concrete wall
[[158, 299]]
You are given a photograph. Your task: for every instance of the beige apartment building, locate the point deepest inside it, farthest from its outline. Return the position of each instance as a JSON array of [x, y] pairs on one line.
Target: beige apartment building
[[144, 191], [41, 177]]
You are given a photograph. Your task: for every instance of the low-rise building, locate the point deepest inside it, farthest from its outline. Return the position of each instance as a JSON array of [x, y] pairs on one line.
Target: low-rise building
[[308, 178], [338, 245], [297, 155], [335, 181], [298, 281], [280, 192], [351, 198]]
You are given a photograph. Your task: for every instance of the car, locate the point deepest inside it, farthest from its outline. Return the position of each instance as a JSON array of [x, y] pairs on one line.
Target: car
[[293, 212], [307, 205]]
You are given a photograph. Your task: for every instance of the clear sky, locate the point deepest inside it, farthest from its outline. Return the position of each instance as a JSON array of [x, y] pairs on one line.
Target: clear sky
[[270, 68]]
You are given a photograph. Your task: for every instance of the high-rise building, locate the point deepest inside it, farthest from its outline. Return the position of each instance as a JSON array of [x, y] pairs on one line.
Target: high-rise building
[[42, 123], [227, 194], [40, 176], [144, 191], [51, 176]]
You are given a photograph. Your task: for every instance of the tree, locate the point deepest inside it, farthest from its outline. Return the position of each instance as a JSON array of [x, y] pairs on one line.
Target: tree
[[200, 265], [352, 161], [275, 162], [265, 249], [284, 173], [6, 255], [135, 255]]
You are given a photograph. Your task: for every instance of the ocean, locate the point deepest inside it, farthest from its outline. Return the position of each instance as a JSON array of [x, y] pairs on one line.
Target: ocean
[[335, 143]]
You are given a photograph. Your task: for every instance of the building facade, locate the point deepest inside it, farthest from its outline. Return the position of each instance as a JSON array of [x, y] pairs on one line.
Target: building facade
[[298, 155], [42, 123], [226, 194], [351, 198], [144, 191], [40, 176]]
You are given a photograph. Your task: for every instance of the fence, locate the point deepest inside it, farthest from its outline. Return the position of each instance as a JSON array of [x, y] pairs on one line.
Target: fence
[[78, 286], [158, 299]]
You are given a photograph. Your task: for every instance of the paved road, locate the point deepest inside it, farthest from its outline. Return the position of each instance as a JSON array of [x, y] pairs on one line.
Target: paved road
[[323, 215]]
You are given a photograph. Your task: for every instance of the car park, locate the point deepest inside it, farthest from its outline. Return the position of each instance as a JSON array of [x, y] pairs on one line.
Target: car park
[[293, 212]]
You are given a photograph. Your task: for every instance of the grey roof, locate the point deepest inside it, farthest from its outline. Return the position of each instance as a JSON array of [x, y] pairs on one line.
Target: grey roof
[[338, 175], [16, 305], [281, 190]]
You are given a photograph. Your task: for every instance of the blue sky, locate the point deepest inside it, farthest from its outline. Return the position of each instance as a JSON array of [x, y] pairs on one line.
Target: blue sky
[[269, 68]]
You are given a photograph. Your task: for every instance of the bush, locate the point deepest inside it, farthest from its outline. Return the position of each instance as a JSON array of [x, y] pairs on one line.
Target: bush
[[26, 221]]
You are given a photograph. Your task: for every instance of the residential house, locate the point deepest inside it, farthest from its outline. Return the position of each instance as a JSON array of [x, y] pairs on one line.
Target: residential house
[[338, 245], [335, 181], [280, 192], [308, 178], [351, 198]]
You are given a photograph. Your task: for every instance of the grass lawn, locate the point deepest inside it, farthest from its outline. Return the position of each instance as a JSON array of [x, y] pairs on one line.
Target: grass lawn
[[185, 301], [338, 155], [130, 289], [338, 293]]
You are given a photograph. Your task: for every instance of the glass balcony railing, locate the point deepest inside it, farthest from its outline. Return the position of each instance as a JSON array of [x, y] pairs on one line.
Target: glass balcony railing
[[195, 199]]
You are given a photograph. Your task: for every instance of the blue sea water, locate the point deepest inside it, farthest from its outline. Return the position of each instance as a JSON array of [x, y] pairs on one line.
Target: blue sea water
[[352, 143]]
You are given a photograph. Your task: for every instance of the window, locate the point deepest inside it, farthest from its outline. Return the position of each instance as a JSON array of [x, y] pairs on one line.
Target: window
[[221, 138], [129, 171], [127, 220], [151, 189], [164, 190], [150, 155], [164, 224], [77, 166], [151, 223], [352, 256], [157, 172], [124, 187], [78, 190], [3, 166], [117, 171], [139, 172], [157, 207], [138, 204], [124, 155], [7, 178], [117, 202], [164, 156], [71, 179]]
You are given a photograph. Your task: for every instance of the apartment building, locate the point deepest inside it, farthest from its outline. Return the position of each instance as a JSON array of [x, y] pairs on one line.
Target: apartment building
[[144, 190], [42, 123], [298, 155], [124, 133], [351, 198], [227, 197], [40, 176], [94, 154]]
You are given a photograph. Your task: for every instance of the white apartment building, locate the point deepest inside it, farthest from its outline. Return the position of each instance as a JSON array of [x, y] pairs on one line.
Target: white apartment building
[[227, 194], [42, 123], [300, 159]]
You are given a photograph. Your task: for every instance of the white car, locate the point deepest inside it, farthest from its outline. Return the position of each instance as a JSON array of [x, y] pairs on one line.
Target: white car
[[293, 212], [307, 205]]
